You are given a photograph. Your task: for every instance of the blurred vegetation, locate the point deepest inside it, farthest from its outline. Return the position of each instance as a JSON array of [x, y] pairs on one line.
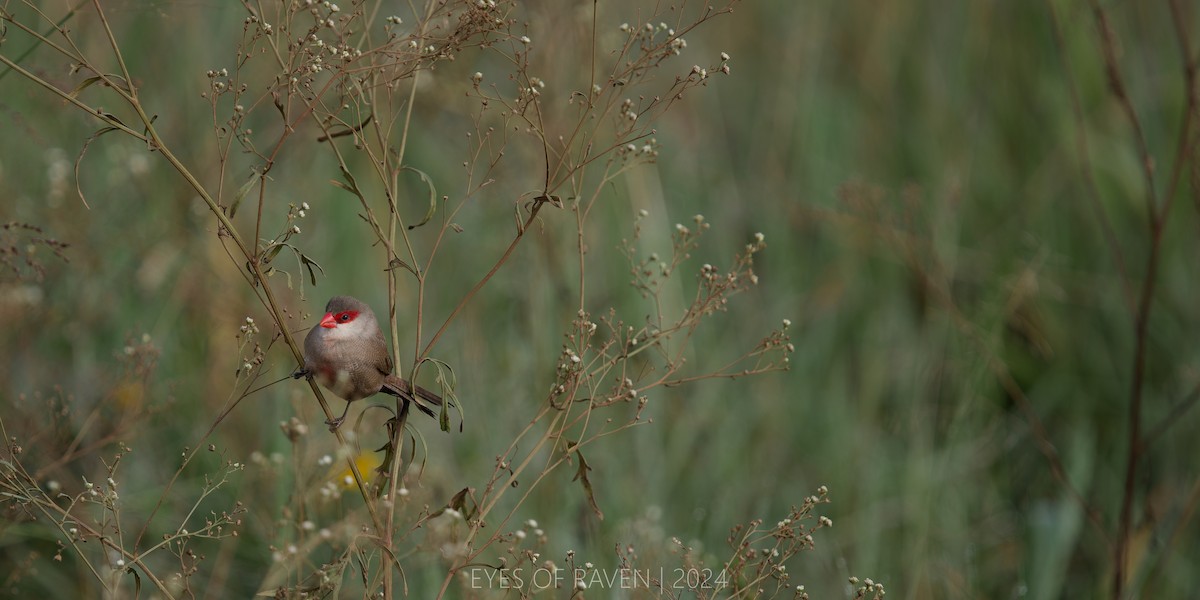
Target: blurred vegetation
[[956, 222]]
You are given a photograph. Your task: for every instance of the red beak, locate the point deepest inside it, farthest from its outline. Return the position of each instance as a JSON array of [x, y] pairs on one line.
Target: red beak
[[328, 321]]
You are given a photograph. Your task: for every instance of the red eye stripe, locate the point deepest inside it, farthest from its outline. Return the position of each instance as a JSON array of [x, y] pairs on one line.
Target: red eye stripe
[[346, 316]]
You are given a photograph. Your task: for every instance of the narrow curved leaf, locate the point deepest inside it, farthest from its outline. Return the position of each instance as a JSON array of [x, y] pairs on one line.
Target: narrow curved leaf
[[581, 475], [309, 264], [83, 85], [242, 193], [396, 263], [79, 160], [432, 197]]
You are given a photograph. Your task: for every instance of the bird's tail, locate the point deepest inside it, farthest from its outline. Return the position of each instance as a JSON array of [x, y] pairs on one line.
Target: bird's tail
[[425, 400]]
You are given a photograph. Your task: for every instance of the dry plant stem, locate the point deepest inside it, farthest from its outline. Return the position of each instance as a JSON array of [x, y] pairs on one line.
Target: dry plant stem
[[116, 49], [99, 114], [152, 138], [1156, 221], [59, 516], [271, 304], [491, 486], [566, 418], [76, 448], [186, 461], [499, 493], [556, 430], [42, 37], [537, 206], [395, 221], [1141, 331], [135, 556]]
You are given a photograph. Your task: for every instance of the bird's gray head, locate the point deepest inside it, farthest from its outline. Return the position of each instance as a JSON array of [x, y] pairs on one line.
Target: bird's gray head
[[346, 315], [339, 304]]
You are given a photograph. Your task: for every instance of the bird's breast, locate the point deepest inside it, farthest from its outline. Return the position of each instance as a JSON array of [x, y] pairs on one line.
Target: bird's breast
[[340, 381]]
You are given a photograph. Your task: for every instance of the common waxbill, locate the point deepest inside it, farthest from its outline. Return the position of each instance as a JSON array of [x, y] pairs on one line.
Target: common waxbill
[[346, 354]]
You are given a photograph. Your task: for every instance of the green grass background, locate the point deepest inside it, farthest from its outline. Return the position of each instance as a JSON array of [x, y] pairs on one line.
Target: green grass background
[[915, 168]]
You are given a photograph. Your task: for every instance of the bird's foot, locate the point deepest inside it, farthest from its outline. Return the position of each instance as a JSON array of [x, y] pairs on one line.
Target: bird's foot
[[334, 424], [301, 373]]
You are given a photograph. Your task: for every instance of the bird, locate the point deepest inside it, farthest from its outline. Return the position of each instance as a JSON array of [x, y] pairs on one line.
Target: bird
[[346, 354]]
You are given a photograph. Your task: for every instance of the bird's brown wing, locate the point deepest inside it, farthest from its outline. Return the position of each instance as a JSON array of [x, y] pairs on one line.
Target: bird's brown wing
[[425, 400], [384, 363], [422, 398]]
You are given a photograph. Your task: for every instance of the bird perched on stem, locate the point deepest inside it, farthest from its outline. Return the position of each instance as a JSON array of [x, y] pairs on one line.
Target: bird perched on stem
[[347, 355]]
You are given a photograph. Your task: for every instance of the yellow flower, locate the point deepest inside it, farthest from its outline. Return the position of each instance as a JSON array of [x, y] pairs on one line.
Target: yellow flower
[[366, 462], [129, 395]]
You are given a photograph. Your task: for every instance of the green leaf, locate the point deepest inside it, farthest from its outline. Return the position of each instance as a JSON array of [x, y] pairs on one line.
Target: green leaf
[[351, 184], [309, 264], [83, 85], [271, 252], [242, 193], [448, 380]]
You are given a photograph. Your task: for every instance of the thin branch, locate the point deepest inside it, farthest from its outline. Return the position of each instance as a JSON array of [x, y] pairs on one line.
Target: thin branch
[[1156, 221], [537, 206]]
